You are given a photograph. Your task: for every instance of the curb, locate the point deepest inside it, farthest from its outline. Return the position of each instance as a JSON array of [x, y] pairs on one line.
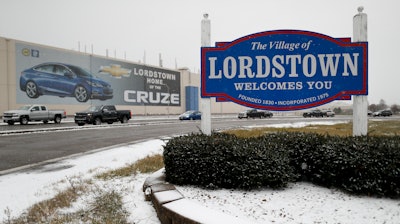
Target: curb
[[172, 207]]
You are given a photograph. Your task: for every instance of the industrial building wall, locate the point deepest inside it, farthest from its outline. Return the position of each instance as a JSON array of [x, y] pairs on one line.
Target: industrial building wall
[[17, 56], [193, 79], [3, 75]]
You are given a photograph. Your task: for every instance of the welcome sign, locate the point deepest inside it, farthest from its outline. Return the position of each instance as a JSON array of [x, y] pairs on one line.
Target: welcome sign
[[284, 70]]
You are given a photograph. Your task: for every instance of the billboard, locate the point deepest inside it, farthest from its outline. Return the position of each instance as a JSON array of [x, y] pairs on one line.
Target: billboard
[[284, 70], [51, 76]]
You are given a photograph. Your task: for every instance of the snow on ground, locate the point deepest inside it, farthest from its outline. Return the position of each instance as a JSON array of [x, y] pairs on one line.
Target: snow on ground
[[22, 189], [298, 203], [296, 124]]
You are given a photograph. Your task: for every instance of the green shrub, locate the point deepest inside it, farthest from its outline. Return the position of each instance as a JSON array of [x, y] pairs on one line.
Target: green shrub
[[360, 165], [223, 160], [369, 165]]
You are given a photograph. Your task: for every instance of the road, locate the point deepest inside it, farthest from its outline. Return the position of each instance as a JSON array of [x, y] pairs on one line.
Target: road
[[25, 145]]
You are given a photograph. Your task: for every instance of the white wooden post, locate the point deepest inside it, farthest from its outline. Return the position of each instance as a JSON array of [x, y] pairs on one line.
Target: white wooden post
[[360, 102], [205, 103]]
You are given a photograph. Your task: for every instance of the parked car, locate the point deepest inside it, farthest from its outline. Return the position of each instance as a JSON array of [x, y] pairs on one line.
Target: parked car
[[63, 80], [253, 113], [382, 113], [98, 114], [314, 113], [28, 113], [190, 115]]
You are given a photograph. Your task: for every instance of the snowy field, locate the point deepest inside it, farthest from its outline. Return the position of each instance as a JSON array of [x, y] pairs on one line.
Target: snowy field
[[298, 203]]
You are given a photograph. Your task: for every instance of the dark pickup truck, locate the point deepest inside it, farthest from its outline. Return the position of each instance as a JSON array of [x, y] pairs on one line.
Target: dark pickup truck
[[98, 114], [253, 113]]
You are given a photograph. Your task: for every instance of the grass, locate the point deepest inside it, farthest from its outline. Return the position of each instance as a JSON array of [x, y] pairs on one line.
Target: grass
[[375, 128], [146, 165], [105, 208]]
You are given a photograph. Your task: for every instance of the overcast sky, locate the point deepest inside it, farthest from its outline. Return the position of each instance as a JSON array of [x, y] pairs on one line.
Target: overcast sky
[[141, 30]]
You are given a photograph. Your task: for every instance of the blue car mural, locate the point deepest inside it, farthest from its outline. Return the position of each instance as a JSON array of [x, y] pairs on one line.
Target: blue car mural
[[63, 80]]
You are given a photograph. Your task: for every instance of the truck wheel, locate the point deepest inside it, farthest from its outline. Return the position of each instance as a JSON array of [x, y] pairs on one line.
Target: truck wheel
[[81, 124], [110, 122], [97, 121], [81, 94], [24, 120], [45, 121], [10, 122], [57, 119], [31, 90], [124, 120]]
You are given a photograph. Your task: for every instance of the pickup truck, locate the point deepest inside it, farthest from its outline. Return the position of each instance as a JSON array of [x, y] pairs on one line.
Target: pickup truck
[[28, 113], [253, 113], [104, 113]]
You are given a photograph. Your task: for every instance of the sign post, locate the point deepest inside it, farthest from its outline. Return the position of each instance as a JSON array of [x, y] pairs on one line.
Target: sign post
[[205, 103], [285, 70], [360, 102]]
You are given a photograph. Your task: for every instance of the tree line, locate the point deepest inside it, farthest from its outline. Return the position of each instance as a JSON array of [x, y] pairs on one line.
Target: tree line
[[371, 107], [382, 105]]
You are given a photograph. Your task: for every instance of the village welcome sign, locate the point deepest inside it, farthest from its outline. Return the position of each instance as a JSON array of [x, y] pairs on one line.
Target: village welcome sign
[[284, 70]]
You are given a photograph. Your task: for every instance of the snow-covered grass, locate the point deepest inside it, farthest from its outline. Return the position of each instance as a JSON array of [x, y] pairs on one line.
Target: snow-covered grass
[[19, 191], [298, 203]]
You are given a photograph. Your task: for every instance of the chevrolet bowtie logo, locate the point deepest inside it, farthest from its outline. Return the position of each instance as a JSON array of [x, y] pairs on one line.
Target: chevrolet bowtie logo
[[115, 71]]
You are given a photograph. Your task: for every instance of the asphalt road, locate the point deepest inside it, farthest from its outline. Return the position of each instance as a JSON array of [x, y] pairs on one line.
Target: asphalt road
[[35, 144]]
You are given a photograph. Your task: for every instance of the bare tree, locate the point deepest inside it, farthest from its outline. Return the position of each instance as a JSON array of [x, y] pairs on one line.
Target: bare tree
[[395, 108], [382, 105], [373, 107]]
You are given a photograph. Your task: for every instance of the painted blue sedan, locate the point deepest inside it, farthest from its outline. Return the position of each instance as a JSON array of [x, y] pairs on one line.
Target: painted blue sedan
[[190, 115], [63, 80]]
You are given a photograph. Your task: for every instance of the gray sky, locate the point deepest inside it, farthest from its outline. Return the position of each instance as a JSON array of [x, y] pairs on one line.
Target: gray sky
[[144, 29]]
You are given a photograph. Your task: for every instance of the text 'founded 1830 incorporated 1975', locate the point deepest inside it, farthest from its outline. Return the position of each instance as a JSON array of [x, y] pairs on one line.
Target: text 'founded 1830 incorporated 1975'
[[285, 70]]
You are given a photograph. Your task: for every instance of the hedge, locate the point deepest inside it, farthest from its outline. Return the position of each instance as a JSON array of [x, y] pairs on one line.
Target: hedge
[[359, 165]]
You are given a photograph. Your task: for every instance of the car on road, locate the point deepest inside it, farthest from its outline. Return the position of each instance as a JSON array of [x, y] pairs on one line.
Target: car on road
[[329, 113], [253, 113], [28, 113], [314, 113], [63, 80], [190, 115], [382, 113]]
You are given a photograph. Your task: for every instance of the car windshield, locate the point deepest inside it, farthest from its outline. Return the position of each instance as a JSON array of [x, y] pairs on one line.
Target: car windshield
[[26, 107], [94, 108], [80, 71]]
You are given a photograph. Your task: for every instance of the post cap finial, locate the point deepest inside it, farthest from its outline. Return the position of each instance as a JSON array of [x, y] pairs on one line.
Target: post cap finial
[[360, 9]]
